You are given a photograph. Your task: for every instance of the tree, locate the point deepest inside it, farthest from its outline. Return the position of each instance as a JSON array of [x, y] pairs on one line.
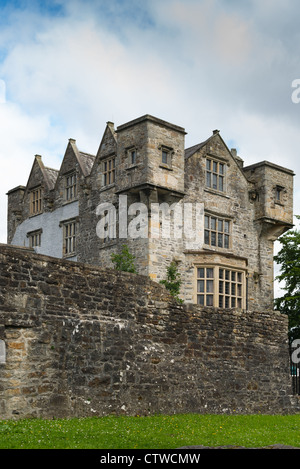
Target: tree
[[289, 259], [124, 261], [173, 281]]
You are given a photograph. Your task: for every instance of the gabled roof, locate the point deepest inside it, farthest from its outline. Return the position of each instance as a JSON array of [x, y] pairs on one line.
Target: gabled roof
[[216, 133], [87, 162], [191, 150], [50, 176]]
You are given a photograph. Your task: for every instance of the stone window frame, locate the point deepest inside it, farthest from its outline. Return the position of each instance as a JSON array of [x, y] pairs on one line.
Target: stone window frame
[[35, 238], [70, 186], [108, 165], [279, 190], [213, 234], [36, 200], [220, 286], [166, 155], [70, 232], [132, 156], [215, 174]]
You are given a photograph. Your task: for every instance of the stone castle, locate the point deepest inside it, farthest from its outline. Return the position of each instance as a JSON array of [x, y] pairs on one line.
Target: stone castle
[[79, 338], [238, 211]]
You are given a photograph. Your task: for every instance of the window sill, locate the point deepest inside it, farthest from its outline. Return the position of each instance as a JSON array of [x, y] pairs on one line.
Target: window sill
[[108, 186], [166, 166], [132, 166], [215, 192], [35, 214], [108, 244], [67, 202], [68, 256]]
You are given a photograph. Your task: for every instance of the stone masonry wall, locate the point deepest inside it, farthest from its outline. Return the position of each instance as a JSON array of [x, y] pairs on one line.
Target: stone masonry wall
[[81, 340]]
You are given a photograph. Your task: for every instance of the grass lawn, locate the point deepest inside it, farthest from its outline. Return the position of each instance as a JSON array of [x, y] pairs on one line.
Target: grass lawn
[[154, 432]]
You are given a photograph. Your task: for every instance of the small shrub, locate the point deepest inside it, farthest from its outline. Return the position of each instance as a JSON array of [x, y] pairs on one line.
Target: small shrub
[[124, 261], [173, 281]]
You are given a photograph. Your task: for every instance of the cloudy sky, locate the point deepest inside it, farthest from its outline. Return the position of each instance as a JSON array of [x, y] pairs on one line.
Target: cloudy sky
[[69, 66]]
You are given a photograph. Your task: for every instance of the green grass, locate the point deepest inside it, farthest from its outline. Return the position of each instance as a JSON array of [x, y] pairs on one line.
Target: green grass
[[154, 432]]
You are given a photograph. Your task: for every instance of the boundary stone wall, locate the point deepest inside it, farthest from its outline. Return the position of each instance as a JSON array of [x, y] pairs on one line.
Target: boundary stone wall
[[85, 341]]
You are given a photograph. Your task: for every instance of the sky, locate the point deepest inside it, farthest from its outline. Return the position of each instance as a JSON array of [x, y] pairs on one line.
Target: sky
[[68, 67]]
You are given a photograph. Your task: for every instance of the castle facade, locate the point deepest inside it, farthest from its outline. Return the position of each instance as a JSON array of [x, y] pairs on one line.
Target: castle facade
[[200, 207]]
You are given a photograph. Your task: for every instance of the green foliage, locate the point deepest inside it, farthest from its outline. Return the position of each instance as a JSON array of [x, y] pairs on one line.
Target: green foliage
[[173, 281], [124, 261], [289, 260], [156, 431]]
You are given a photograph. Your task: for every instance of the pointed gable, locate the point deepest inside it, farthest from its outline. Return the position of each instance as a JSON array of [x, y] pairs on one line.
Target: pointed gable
[[40, 183], [108, 144], [107, 147], [41, 175], [216, 147], [74, 161]]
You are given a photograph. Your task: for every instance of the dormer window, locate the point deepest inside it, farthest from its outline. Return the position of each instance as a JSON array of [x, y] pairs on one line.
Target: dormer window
[[71, 187], [215, 175], [36, 201]]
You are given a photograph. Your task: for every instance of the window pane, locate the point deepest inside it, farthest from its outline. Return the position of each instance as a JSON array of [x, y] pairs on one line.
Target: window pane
[[221, 168], [213, 224], [210, 273], [209, 286], [206, 220], [215, 167], [221, 302], [221, 286], [221, 273], [213, 239], [220, 240], [200, 286], [208, 179], [206, 237], [208, 165], [220, 225], [164, 157], [201, 273], [209, 300], [221, 183], [215, 181], [226, 241], [200, 300], [226, 226]]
